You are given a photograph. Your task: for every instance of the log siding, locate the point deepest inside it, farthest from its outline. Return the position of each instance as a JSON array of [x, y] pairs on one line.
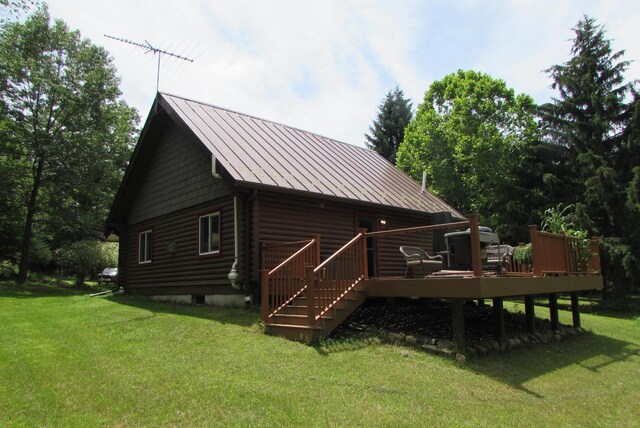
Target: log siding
[[177, 267], [286, 218]]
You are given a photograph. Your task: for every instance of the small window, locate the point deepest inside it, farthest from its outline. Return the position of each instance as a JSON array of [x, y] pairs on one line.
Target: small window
[[144, 247], [209, 232]]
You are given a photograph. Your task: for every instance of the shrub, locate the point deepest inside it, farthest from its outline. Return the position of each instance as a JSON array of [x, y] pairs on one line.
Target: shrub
[[8, 269], [524, 255], [85, 257]]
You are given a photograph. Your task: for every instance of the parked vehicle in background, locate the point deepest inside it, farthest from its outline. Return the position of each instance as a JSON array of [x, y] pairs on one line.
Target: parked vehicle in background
[[108, 275]]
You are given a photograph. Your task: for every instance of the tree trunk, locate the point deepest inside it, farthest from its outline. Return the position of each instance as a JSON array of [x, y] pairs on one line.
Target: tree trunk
[[25, 256]]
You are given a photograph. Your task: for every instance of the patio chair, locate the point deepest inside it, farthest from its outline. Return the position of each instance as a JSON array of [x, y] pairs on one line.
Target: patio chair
[[418, 259], [498, 256]]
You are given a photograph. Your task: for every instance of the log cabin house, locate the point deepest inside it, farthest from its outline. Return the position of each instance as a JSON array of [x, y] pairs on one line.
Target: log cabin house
[[207, 188], [220, 207]]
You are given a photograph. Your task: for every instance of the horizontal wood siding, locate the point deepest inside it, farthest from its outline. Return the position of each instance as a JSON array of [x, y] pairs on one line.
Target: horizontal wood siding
[[182, 271], [177, 176], [284, 218], [391, 262]]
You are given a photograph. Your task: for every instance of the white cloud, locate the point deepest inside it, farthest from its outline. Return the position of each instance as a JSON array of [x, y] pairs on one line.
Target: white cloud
[[324, 66]]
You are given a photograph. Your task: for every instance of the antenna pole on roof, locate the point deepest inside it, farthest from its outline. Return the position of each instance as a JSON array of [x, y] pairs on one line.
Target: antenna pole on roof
[[148, 47]]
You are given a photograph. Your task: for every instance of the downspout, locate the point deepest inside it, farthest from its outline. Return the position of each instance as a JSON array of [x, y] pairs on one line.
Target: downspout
[[233, 275], [250, 207]]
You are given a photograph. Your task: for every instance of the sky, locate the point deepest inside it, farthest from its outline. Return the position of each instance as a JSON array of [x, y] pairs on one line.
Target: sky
[[325, 66]]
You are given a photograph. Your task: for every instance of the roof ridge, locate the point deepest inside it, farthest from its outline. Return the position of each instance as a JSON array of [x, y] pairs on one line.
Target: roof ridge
[[323, 137]]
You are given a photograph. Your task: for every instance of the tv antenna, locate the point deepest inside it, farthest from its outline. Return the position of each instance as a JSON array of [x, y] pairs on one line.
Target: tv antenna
[[148, 47]]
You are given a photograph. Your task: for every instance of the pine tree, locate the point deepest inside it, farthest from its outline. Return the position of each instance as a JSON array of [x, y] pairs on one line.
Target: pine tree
[[593, 119], [589, 118], [387, 131]]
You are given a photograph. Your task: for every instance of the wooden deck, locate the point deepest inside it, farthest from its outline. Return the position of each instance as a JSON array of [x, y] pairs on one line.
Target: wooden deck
[[471, 288], [303, 299]]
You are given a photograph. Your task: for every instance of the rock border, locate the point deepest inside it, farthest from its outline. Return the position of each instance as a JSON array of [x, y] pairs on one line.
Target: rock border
[[481, 348]]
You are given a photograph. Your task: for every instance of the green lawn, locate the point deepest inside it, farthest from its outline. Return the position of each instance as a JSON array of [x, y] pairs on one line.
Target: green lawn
[[70, 360]]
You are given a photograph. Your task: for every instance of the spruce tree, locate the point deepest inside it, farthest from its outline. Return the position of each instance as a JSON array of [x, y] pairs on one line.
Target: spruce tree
[[592, 119], [387, 131]]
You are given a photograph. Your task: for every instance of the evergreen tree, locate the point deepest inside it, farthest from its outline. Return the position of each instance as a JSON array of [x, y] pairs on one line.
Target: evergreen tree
[[387, 131], [592, 120]]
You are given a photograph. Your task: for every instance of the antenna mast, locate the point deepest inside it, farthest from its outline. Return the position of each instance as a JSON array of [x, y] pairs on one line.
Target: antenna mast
[[148, 47]]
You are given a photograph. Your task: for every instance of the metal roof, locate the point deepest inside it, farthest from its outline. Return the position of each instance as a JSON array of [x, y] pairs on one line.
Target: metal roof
[[258, 152]]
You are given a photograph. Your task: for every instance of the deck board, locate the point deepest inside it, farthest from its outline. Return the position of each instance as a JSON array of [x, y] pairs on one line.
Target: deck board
[[479, 288]]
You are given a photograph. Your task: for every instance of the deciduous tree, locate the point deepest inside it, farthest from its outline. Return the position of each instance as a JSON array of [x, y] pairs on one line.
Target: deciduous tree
[[472, 136], [60, 95]]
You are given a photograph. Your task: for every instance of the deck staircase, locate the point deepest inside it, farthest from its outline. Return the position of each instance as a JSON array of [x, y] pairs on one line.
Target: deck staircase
[[292, 321], [305, 300]]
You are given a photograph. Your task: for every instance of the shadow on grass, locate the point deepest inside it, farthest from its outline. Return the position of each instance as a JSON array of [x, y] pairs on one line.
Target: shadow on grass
[[47, 288], [57, 288], [241, 317], [591, 351], [627, 307]]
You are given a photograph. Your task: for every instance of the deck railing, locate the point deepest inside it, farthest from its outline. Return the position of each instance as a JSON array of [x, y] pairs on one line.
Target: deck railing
[[517, 268], [594, 262], [282, 284], [560, 254], [335, 277], [275, 253]]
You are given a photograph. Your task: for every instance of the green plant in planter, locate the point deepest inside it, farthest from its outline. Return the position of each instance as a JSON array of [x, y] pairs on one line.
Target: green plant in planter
[[561, 219], [524, 255]]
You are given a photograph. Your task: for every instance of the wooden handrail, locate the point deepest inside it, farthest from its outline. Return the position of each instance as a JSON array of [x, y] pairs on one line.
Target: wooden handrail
[[284, 283], [334, 278], [273, 254], [293, 256], [337, 253], [418, 229], [283, 244]]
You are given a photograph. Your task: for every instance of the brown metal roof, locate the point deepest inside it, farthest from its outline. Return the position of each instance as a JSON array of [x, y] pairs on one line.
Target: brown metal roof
[[255, 151]]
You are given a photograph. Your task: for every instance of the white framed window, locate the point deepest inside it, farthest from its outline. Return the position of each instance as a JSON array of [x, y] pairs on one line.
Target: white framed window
[[144, 246], [209, 234]]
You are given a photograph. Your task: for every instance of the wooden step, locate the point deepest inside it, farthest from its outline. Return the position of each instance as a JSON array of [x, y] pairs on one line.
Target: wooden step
[[295, 332], [295, 309], [292, 321]]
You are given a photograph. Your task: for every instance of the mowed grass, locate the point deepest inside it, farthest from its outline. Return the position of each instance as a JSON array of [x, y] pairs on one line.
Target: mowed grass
[[70, 360]]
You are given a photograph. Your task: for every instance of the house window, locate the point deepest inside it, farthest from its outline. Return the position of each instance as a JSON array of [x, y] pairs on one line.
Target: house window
[[144, 247], [209, 232]]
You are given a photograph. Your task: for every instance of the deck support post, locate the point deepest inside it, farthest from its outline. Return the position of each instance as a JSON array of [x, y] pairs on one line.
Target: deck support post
[[575, 310], [535, 250], [529, 313], [364, 267], [498, 317], [553, 311], [476, 260], [317, 252], [310, 295], [264, 292], [457, 323]]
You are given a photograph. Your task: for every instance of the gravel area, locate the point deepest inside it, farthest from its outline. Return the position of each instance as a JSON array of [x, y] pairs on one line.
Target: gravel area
[[430, 318]]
